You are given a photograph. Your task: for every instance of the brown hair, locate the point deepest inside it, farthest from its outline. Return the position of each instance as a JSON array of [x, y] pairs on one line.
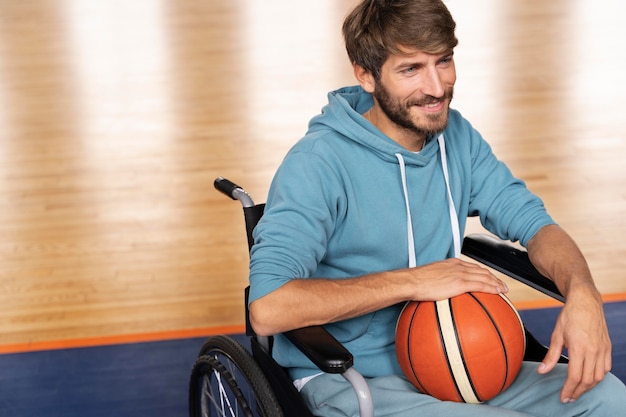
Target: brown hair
[[377, 28]]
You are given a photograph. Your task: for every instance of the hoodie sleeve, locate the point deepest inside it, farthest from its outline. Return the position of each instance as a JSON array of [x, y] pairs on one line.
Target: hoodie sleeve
[[291, 238], [505, 205]]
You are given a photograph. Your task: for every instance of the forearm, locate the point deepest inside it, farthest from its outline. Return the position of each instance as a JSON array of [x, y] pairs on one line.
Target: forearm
[[313, 301], [558, 257]]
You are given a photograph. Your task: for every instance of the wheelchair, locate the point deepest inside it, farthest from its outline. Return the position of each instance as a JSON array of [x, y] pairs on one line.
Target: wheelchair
[[228, 380]]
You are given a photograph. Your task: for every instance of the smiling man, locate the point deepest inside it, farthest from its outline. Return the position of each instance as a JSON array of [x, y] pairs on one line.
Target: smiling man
[[367, 212], [417, 105]]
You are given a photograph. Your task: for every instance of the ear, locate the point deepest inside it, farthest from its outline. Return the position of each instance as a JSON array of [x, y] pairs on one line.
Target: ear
[[364, 77]]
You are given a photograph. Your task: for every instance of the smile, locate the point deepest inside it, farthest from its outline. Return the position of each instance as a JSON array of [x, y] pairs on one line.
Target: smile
[[432, 107]]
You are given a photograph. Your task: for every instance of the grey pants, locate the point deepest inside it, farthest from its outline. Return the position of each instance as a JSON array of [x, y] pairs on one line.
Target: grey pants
[[530, 394]]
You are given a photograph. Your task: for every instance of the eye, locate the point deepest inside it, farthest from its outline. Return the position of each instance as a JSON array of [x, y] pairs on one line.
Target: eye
[[446, 60], [410, 70]]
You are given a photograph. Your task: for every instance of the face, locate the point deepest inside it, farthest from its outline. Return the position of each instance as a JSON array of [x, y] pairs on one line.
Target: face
[[423, 116], [413, 94]]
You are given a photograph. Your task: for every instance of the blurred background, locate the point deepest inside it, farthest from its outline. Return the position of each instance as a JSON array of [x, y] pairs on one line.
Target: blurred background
[[117, 115]]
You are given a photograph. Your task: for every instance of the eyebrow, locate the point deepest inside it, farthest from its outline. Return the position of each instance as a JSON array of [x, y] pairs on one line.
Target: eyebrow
[[420, 64], [407, 65]]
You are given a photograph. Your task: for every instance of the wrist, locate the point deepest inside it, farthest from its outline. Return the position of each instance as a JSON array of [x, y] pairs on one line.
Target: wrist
[[582, 291]]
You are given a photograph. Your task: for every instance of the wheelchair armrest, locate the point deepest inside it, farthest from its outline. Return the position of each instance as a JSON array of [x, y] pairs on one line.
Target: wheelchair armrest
[[509, 260], [321, 348], [332, 357]]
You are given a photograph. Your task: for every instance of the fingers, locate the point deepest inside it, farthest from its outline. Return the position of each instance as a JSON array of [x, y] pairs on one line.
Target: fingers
[[551, 359], [452, 277], [584, 373], [581, 377], [585, 369], [490, 287], [479, 279]]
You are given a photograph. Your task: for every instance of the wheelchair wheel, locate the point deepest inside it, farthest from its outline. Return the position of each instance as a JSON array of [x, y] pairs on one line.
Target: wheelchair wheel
[[226, 381]]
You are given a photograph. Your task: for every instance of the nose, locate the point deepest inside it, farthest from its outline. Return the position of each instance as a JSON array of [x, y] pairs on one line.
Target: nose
[[433, 84]]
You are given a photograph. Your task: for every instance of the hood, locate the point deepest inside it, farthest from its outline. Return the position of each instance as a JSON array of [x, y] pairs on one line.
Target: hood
[[342, 115]]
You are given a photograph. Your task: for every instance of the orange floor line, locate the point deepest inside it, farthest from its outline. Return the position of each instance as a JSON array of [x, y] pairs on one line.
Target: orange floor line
[[119, 339], [536, 304], [550, 302]]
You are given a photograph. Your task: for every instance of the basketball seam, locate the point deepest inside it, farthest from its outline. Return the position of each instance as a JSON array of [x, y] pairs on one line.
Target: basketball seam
[[504, 350], [458, 341], [445, 350], [464, 393], [519, 318], [412, 367]]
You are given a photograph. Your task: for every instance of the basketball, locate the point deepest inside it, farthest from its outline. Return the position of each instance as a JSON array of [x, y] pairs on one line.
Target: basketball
[[467, 348]]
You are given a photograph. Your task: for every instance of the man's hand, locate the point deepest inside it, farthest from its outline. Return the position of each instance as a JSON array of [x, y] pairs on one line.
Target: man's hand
[[452, 277], [581, 326], [582, 329]]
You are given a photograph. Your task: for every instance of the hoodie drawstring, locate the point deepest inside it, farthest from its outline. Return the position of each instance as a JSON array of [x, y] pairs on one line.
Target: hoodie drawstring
[[454, 220], [409, 227]]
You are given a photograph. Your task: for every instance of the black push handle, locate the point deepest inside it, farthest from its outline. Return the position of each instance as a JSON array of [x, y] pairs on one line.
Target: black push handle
[[233, 191], [226, 187]]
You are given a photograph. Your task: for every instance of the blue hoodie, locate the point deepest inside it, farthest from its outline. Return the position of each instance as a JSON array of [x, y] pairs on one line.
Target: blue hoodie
[[336, 209]]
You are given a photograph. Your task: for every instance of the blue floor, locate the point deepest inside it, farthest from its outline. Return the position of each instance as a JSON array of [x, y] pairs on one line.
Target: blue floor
[[142, 379], [150, 379]]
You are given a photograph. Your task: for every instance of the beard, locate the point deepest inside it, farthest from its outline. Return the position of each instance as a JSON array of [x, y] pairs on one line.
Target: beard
[[400, 113]]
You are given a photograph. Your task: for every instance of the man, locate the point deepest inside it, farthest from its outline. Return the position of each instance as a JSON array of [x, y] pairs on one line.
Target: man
[[367, 212]]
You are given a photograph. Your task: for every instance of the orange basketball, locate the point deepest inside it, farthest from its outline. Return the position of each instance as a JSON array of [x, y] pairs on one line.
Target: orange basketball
[[466, 349]]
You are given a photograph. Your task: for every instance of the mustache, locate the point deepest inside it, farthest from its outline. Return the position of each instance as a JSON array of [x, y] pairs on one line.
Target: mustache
[[423, 101]]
